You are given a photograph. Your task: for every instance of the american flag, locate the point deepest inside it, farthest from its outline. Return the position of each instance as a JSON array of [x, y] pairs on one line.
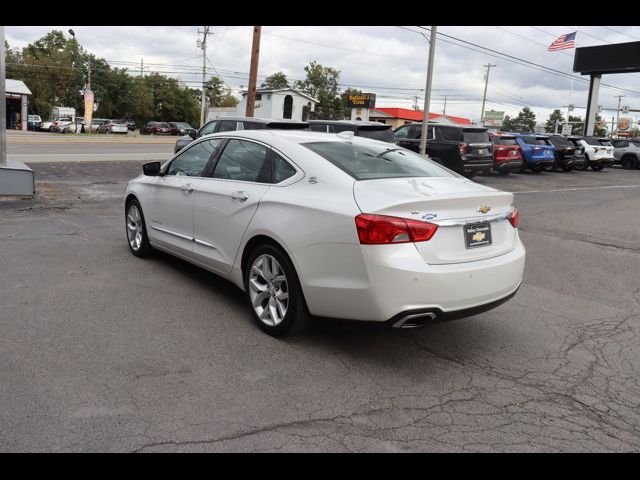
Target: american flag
[[568, 40]]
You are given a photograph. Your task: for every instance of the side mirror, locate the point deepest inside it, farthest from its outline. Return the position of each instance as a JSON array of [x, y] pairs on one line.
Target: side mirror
[[151, 169], [193, 134]]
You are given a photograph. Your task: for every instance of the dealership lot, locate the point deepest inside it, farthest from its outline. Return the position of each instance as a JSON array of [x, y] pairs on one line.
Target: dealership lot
[[104, 351]]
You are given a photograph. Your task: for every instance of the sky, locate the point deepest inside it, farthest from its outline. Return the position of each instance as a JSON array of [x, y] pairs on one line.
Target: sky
[[390, 61]]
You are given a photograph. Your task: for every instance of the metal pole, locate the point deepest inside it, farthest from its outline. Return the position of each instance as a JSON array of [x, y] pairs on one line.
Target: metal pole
[[444, 110], [484, 97], [3, 103], [592, 104], [617, 115], [253, 72], [427, 92]]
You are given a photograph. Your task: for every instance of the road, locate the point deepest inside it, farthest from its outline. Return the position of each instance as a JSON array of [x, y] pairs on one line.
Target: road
[[102, 351]]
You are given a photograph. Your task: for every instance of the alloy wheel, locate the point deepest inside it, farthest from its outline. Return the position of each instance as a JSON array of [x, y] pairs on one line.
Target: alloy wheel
[[268, 290], [134, 228]]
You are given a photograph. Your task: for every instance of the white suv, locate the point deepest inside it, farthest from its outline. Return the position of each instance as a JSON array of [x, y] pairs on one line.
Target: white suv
[[597, 154]]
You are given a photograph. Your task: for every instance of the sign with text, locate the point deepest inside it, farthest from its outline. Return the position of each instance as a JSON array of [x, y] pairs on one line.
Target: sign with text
[[624, 125], [567, 129], [493, 118], [361, 100], [88, 106]]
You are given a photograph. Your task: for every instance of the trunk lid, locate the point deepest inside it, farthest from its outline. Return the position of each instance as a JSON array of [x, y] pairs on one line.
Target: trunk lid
[[451, 203]]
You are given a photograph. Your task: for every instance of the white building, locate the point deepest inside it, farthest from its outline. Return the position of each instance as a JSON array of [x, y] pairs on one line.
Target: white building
[[278, 104], [17, 99]]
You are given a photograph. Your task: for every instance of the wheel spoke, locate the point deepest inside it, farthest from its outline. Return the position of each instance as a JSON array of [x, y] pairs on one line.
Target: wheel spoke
[[278, 279], [268, 290], [282, 295], [260, 287], [258, 272]]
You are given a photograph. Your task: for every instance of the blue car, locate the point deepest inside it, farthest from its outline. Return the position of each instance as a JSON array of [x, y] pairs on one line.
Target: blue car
[[537, 151]]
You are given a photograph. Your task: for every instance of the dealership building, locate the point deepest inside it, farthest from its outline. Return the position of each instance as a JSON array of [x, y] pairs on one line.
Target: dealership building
[[17, 94], [396, 117]]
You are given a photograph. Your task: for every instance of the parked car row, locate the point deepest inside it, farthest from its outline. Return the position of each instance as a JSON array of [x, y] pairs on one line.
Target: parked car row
[[167, 128]]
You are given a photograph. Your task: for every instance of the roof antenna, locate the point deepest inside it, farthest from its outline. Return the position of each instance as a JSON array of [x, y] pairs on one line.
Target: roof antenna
[[347, 135]]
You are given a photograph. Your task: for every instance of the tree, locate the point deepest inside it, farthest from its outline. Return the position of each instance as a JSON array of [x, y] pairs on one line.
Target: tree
[[525, 121], [600, 128], [554, 119], [275, 81], [322, 83], [218, 94]]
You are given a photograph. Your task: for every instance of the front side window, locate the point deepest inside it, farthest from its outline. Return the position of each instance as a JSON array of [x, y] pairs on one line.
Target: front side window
[[208, 128], [281, 169], [228, 126], [403, 132], [244, 161], [369, 162], [192, 161]]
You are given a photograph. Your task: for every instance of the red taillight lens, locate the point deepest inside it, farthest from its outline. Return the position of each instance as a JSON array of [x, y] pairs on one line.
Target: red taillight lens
[[514, 218], [383, 229], [463, 148]]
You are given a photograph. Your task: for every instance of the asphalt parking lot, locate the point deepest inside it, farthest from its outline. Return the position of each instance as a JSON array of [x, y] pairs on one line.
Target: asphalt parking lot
[[102, 351]]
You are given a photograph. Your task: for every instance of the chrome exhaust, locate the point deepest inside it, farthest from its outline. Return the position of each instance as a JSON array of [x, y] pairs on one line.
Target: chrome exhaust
[[414, 320]]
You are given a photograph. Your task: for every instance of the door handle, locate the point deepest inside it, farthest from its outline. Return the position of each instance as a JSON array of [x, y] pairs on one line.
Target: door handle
[[240, 195], [188, 187]]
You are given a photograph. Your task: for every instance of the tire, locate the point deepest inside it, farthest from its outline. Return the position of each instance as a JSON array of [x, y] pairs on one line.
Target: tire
[[274, 288], [597, 167], [629, 163], [536, 169], [136, 230], [550, 168], [567, 168], [504, 172]]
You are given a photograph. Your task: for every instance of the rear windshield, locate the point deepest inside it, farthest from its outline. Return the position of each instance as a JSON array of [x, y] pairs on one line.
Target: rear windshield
[[591, 140], [505, 141], [384, 135], [606, 143], [476, 136], [560, 142], [370, 162], [452, 134], [536, 141]]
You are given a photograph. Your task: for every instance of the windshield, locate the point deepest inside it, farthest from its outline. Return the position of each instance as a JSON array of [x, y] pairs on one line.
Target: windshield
[[182, 125], [560, 141], [505, 141], [476, 136], [591, 140], [369, 162]]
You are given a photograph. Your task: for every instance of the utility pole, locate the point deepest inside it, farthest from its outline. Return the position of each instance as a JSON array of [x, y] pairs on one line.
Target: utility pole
[[617, 115], [427, 92], [141, 66], [484, 97], [253, 72], [203, 45], [3, 103], [444, 110]]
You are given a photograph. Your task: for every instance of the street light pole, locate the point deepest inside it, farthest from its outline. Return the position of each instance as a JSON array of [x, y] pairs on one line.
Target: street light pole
[[427, 93], [3, 103], [617, 116], [484, 97]]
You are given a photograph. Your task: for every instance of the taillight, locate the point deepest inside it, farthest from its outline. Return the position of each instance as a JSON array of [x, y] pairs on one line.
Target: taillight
[[463, 148], [384, 229], [514, 218], [156, 129]]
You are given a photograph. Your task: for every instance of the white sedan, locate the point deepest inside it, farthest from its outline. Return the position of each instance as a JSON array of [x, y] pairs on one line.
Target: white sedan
[[329, 225]]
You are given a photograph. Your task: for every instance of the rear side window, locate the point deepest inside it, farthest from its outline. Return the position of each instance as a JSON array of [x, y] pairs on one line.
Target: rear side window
[[591, 141], [318, 128], [384, 135], [245, 161], [370, 162], [451, 134], [253, 125], [403, 132], [281, 168]]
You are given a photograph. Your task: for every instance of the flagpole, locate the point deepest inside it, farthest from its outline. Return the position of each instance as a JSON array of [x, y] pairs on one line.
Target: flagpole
[[575, 45]]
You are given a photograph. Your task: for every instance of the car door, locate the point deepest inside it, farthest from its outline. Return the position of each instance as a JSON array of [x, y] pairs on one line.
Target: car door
[[227, 200], [169, 209]]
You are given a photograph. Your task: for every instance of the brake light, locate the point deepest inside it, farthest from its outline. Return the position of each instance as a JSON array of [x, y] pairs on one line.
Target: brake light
[[156, 129], [384, 229], [463, 148], [514, 218]]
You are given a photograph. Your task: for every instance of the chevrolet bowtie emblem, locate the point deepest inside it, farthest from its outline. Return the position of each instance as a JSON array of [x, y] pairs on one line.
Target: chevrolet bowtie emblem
[[478, 236], [484, 208]]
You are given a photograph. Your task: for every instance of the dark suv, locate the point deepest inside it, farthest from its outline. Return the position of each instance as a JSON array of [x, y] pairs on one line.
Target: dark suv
[[445, 145], [568, 157], [477, 151], [229, 124], [374, 130]]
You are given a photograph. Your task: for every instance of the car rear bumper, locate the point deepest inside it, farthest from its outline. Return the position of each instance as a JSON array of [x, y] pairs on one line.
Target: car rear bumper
[[507, 165], [380, 282]]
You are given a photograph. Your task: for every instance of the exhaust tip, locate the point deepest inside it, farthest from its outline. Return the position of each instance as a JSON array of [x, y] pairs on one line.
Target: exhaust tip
[[415, 320]]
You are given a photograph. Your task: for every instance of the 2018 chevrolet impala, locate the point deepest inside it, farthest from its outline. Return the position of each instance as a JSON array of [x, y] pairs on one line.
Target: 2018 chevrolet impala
[[330, 225]]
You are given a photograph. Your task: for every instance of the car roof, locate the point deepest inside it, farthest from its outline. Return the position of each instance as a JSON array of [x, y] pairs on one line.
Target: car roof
[[344, 122], [257, 120], [289, 136], [433, 124]]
